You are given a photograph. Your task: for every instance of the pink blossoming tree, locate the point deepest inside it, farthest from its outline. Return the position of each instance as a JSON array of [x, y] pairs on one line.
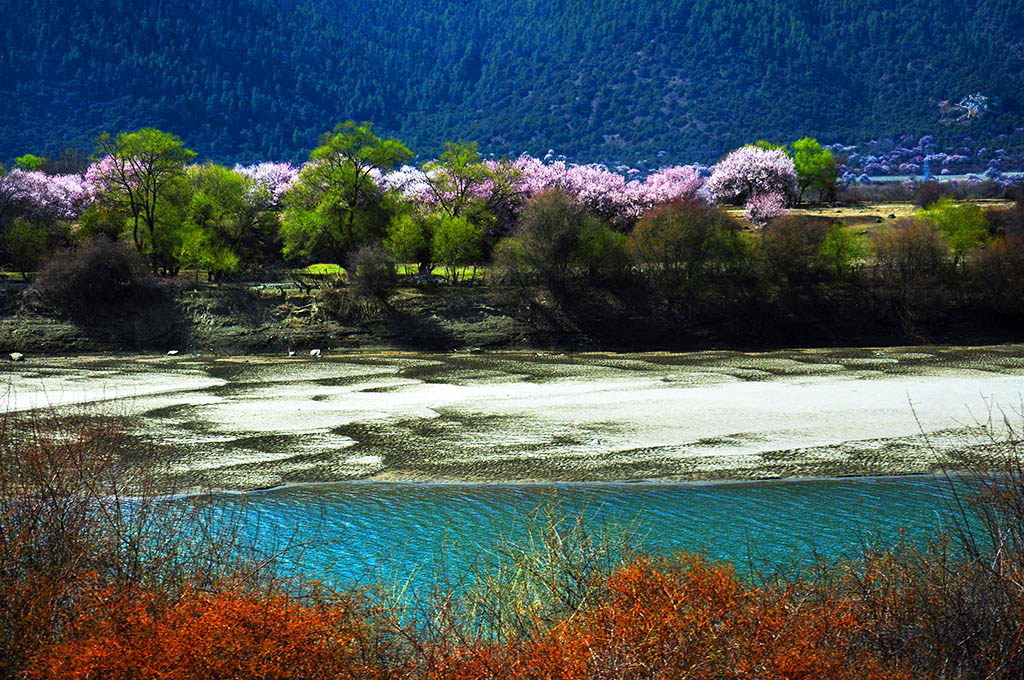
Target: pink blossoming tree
[[751, 171]]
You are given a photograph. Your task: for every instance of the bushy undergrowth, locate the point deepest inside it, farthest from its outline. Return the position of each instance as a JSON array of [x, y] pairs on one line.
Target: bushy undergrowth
[[372, 274], [922, 194], [99, 578], [93, 275]]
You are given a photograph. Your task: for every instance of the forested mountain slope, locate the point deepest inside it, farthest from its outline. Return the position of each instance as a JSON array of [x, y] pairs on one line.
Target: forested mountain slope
[[597, 80]]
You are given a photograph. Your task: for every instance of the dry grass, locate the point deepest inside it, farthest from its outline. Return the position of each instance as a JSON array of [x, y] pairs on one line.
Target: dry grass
[[867, 218]]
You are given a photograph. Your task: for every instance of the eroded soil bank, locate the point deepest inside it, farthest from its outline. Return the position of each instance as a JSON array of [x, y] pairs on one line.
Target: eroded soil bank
[[503, 416], [265, 319]]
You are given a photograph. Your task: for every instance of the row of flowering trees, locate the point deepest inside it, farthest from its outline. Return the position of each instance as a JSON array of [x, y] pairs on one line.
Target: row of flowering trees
[[355, 189]]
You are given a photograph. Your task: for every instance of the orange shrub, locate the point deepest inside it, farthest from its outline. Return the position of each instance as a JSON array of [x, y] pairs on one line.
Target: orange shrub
[[685, 619], [222, 635]]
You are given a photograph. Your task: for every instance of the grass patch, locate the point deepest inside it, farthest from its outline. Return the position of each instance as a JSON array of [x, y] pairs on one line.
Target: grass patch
[[324, 269]]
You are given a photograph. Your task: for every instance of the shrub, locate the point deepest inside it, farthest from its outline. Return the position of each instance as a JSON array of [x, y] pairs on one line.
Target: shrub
[[1006, 221], [930, 192], [678, 244], [372, 274], [963, 224], [76, 517], [94, 274], [601, 253], [998, 271], [1015, 192], [548, 239], [912, 253], [841, 251], [196, 635], [792, 246], [882, 192], [508, 264], [25, 242], [953, 608], [685, 618]]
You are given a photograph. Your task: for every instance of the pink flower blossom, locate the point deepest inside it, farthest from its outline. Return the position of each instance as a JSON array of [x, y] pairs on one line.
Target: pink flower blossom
[[409, 181], [273, 178], [763, 208], [678, 182], [749, 171], [45, 197]]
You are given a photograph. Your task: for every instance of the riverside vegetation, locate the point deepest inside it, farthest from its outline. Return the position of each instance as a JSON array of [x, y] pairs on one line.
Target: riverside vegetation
[[104, 575], [571, 254]]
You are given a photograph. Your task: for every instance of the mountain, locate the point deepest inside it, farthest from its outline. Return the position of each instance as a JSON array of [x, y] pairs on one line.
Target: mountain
[[619, 81]]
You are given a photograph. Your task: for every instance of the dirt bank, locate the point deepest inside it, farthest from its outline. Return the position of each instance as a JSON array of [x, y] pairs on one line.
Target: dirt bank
[[240, 320]]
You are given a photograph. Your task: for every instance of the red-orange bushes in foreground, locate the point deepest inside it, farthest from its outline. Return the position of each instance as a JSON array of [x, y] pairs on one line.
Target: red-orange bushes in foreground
[[223, 635], [681, 618], [685, 619]]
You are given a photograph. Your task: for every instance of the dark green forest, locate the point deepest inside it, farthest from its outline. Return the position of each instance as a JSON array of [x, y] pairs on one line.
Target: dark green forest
[[618, 81]]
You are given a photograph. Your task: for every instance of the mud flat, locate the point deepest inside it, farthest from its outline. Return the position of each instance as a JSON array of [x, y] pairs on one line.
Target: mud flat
[[254, 422]]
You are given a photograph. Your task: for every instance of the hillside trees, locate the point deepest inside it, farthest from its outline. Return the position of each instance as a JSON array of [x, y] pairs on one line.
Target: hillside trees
[[336, 205], [500, 72]]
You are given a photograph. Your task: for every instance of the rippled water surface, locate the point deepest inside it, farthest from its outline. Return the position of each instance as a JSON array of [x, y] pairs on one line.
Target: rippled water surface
[[402, 531]]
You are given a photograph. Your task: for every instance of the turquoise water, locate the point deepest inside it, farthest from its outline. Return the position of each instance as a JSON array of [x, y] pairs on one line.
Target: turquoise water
[[358, 532]]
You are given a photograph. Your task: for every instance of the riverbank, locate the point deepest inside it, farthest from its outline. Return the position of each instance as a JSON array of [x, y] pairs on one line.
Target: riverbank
[[526, 416], [269, 319]]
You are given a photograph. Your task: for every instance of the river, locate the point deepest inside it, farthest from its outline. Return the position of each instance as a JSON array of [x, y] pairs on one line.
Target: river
[[391, 454]]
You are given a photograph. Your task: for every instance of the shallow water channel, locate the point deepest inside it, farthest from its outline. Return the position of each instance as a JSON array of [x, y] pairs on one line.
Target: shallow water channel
[[398, 533], [396, 453]]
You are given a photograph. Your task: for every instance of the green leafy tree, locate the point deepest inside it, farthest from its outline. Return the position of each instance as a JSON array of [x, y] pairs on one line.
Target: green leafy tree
[[463, 184], [217, 220], [141, 171], [842, 250], [336, 205], [769, 146], [199, 249], [456, 243], [409, 241], [455, 174], [815, 168], [28, 162], [26, 245], [100, 219], [963, 224]]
